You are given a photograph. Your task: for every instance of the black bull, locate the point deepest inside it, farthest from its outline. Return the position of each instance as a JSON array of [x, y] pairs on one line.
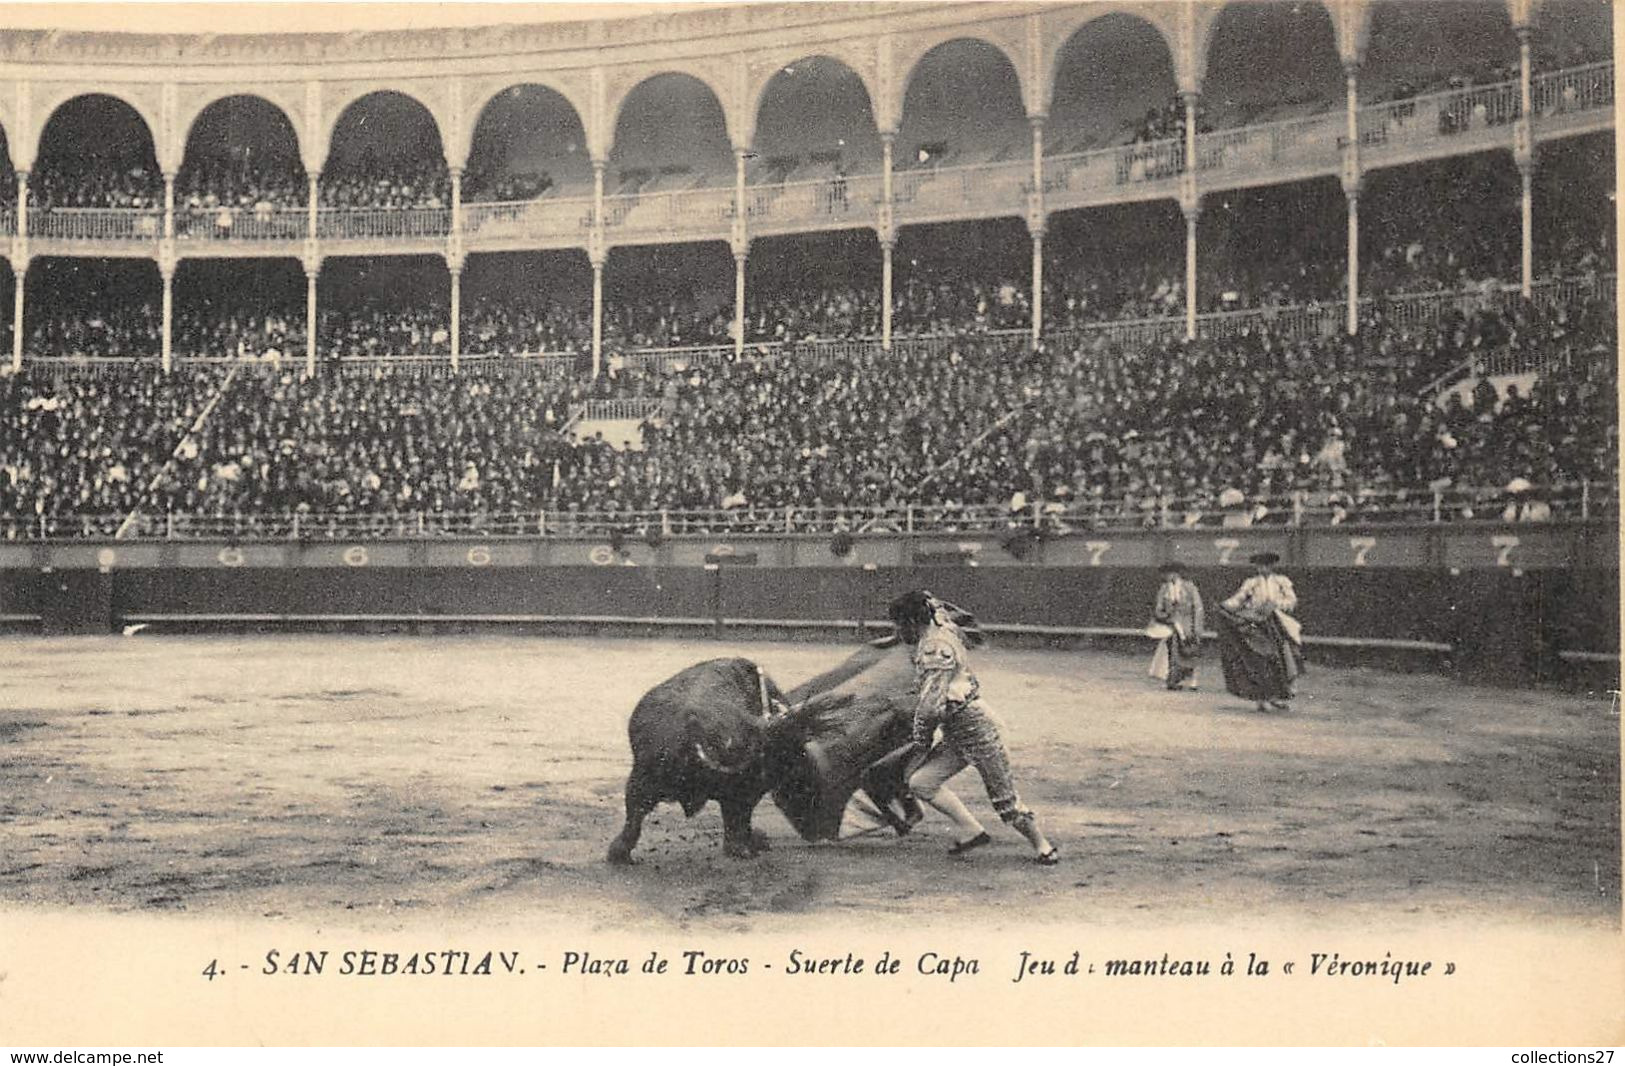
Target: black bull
[[721, 730]]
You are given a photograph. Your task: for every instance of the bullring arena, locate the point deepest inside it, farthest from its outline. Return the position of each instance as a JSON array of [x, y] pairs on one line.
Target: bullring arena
[[387, 410], [388, 779]]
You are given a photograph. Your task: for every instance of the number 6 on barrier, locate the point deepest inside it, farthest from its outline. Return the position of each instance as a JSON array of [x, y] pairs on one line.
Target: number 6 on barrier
[[356, 556], [479, 556]]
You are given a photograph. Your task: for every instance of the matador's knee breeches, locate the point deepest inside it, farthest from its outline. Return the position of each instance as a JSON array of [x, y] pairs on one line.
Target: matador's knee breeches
[[974, 732]]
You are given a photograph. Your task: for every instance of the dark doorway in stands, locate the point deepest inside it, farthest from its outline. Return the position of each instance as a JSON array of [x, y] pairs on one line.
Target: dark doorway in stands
[[1574, 195], [815, 122], [962, 106], [1272, 246]]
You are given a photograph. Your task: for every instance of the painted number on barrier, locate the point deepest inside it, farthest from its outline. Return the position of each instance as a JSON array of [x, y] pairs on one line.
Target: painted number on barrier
[[723, 549], [601, 555], [356, 556], [1097, 548], [1227, 547], [1362, 546], [479, 556], [1505, 542], [230, 557]]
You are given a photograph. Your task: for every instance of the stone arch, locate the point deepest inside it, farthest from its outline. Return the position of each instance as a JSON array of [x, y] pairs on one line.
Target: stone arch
[[910, 52], [1210, 22], [723, 78], [54, 103], [968, 133], [336, 107], [1205, 20], [765, 68], [1061, 26], [461, 146], [870, 130], [285, 102], [618, 145]]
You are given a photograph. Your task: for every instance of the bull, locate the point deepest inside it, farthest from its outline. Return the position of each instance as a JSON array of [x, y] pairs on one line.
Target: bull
[[722, 730]]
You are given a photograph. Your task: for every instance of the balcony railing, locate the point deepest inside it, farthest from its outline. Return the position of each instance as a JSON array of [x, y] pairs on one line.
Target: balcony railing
[[704, 212], [928, 192], [830, 201], [243, 224], [1130, 171], [1423, 505], [618, 409], [549, 218], [95, 224], [379, 223], [1563, 96], [1312, 144]]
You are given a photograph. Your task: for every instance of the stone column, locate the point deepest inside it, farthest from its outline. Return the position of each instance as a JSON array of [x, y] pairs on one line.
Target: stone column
[[310, 205], [456, 267], [1523, 152], [166, 269], [1037, 221], [886, 227], [22, 204], [19, 287], [169, 204], [1190, 201], [1352, 178], [312, 272]]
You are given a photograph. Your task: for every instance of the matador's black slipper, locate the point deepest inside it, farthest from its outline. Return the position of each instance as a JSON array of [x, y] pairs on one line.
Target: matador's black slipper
[[1052, 857], [970, 845]]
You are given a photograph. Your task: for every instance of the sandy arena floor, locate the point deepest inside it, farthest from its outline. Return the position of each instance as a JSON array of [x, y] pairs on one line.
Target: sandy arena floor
[[396, 779]]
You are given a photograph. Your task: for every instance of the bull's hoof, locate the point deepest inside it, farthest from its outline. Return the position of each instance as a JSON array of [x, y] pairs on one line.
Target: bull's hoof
[[759, 841], [619, 855]]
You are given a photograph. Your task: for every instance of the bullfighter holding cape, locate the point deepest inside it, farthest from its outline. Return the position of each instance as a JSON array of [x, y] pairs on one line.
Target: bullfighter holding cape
[[1260, 642], [1177, 619]]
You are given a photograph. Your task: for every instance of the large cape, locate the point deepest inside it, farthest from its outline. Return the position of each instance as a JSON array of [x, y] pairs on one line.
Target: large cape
[[1260, 660]]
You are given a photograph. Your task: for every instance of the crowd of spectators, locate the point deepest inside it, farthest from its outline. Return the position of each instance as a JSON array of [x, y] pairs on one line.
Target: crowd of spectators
[[70, 183], [398, 185], [1208, 431]]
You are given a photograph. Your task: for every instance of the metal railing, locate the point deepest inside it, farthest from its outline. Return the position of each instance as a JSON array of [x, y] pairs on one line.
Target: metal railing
[[616, 409], [1313, 143], [707, 211], [95, 224], [1126, 172], [929, 191], [1569, 501], [243, 224], [1562, 94], [381, 223], [547, 217]]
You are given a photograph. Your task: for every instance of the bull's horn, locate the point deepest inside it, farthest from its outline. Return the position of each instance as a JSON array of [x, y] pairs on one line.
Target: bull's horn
[[711, 763]]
